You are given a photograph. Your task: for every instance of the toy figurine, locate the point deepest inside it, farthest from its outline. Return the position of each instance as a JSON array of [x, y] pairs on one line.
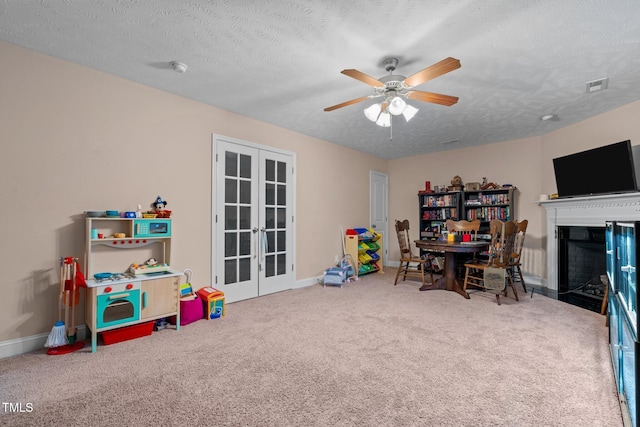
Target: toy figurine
[[159, 204]]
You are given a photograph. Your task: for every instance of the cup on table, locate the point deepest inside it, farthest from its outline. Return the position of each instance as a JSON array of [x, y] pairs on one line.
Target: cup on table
[[466, 237]]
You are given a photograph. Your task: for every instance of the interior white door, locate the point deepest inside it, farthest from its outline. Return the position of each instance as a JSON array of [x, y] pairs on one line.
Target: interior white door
[[253, 222], [378, 211]]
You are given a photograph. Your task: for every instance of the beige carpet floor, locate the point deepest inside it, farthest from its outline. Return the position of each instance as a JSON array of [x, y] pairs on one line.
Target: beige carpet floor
[[366, 354]]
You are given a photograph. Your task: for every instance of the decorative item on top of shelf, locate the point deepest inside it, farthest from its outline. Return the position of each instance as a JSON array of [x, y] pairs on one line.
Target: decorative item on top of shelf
[[159, 209], [472, 186], [427, 188], [456, 183], [487, 185]]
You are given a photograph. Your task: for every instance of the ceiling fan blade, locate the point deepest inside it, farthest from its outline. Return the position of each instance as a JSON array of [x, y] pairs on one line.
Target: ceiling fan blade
[[364, 78], [435, 98], [344, 104], [436, 70]]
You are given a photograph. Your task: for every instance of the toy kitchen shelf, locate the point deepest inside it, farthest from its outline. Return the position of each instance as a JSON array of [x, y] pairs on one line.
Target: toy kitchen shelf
[[133, 233], [128, 298]]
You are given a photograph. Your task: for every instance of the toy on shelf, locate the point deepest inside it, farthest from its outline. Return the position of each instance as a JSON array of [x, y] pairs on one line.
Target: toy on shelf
[[159, 208], [150, 266]]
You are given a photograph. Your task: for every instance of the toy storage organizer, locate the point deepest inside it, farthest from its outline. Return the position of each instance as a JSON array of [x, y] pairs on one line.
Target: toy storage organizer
[[365, 246]]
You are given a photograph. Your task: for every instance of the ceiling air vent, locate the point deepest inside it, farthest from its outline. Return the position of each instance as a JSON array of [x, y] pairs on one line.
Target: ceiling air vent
[[596, 85]]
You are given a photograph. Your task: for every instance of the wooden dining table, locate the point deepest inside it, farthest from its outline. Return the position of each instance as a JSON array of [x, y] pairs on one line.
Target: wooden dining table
[[449, 281]]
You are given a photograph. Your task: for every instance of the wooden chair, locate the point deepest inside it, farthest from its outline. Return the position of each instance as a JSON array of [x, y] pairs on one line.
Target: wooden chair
[[411, 265], [515, 263], [503, 236], [465, 227]]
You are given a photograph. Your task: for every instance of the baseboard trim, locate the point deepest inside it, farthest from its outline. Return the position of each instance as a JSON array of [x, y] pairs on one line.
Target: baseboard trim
[[19, 346], [307, 282]]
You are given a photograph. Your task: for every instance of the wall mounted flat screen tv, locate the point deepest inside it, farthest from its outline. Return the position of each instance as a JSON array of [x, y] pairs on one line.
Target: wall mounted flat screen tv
[[603, 170]]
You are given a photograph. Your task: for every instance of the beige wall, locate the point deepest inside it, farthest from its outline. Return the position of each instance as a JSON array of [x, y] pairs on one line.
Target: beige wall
[[74, 139], [525, 163], [515, 162]]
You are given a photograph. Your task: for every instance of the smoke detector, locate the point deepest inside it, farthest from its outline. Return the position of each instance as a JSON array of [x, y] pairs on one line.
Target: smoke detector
[[178, 67]]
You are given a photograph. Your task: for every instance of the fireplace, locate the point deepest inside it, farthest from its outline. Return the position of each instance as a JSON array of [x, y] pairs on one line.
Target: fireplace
[[582, 266], [575, 230]]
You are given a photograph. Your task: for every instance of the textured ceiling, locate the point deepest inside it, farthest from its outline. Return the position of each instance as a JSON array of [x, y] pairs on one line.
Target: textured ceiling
[[280, 61]]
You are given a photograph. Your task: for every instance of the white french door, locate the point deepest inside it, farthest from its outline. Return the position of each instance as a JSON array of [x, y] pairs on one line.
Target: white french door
[[253, 219]]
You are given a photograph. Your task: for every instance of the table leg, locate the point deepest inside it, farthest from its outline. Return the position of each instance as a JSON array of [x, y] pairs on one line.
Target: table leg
[[448, 281]]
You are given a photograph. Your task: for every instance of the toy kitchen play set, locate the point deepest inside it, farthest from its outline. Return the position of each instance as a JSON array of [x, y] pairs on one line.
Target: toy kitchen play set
[[122, 305]]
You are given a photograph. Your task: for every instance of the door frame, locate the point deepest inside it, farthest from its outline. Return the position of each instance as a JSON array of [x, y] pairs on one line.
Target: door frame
[[214, 188]]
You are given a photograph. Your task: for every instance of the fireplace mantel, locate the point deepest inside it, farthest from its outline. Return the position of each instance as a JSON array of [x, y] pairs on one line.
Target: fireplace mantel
[[591, 211]]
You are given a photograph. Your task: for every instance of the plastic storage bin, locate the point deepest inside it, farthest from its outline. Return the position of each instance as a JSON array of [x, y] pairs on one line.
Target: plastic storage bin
[[127, 333]]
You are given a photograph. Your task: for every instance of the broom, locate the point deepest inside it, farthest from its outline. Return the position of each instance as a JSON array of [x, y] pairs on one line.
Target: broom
[[72, 332], [58, 335]]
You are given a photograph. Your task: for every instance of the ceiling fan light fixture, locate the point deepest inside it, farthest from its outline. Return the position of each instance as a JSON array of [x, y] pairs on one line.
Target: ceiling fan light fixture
[[384, 120], [409, 112], [373, 112], [397, 106]]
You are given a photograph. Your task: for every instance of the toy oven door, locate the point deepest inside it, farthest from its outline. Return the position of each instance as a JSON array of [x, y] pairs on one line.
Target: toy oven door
[[118, 308]]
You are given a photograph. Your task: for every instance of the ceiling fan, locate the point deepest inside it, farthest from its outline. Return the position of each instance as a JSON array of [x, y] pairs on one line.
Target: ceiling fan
[[394, 87]]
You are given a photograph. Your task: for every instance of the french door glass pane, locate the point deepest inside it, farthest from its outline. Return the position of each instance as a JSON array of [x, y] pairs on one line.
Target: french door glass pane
[[245, 217], [245, 166], [270, 218], [230, 218], [270, 267], [245, 269], [282, 220], [230, 271], [245, 192], [271, 242], [282, 195], [281, 245], [230, 163], [270, 172], [230, 190], [230, 244], [282, 172], [245, 243], [270, 194], [282, 259]]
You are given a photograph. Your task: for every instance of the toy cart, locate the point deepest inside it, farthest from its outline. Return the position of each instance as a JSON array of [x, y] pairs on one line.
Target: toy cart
[[345, 272]]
